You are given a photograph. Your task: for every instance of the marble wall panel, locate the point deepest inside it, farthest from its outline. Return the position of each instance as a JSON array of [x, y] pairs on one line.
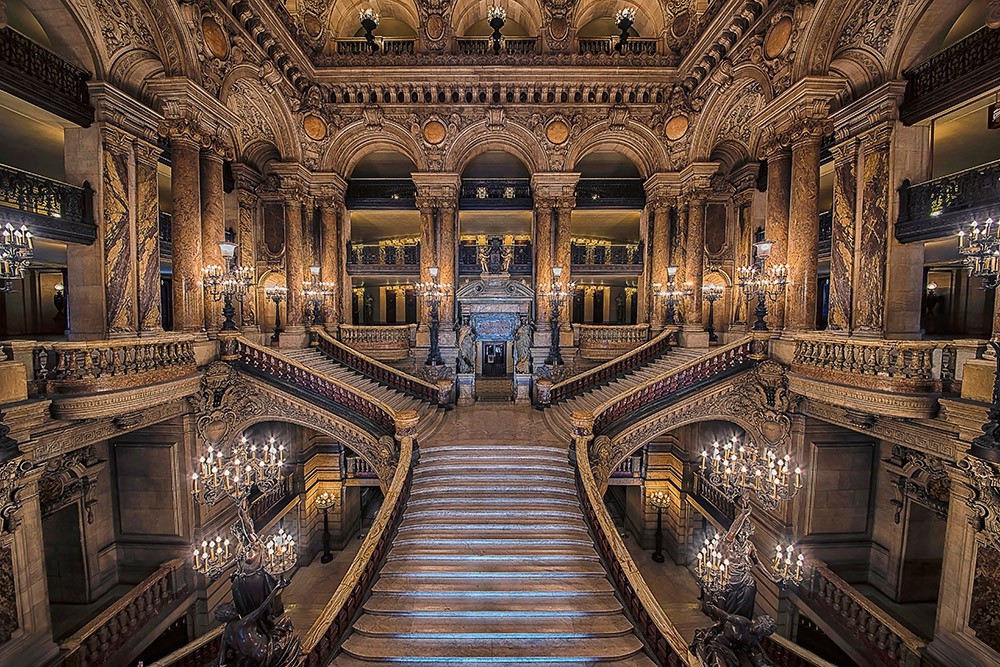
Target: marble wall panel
[[845, 184], [118, 241], [8, 597], [869, 290], [147, 224]]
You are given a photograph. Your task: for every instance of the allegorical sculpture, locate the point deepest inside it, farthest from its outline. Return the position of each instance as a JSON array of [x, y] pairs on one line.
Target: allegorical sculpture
[[466, 340], [522, 347], [495, 257]]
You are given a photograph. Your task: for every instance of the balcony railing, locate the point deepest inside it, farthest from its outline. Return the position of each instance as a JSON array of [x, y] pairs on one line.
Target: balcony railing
[[469, 264], [480, 46], [391, 46], [39, 76], [602, 342], [51, 209], [962, 71], [390, 342], [382, 257], [495, 193], [631, 468], [381, 193], [941, 207], [357, 468], [618, 193], [606, 45], [265, 504], [605, 257]]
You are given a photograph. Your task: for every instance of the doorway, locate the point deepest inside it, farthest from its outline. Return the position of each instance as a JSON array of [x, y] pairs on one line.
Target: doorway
[[65, 565], [494, 359]]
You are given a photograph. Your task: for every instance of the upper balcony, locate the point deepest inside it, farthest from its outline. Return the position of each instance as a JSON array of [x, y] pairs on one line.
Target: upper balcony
[[51, 209], [597, 258], [401, 256], [941, 207]]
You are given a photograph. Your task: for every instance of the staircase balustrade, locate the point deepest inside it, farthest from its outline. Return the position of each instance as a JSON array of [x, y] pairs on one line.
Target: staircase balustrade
[[613, 369], [941, 207], [265, 362], [388, 343], [97, 642], [387, 46], [334, 622], [725, 359], [265, 503], [862, 619], [891, 365], [358, 468], [69, 368], [610, 341], [785, 653], [382, 373], [630, 468]]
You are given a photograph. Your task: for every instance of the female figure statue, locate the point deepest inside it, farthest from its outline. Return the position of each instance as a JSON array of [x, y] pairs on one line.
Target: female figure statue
[[522, 347], [466, 347]]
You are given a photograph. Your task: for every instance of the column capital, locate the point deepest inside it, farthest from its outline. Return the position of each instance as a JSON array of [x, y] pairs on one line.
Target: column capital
[[180, 97], [744, 178], [877, 107], [877, 139], [436, 189], [845, 151], [113, 107], [662, 188], [292, 180], [696, 178], [799, 112], [247, 178], [555, 185], [328, 188]]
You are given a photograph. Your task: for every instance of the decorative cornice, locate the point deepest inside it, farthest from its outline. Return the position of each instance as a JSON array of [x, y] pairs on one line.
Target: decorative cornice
[[116, 108], [804, 107], [123, 402], [556, 185], [437, 188], [876, 108]]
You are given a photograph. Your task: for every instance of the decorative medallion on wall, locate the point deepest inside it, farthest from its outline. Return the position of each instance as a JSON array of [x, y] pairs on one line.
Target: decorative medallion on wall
[[215, 37], [434, 132], [778, 38], [8, 597], [559, 28], [681, 24], [312, 25], [314, 127], [676, 128], [557, 132], [223, 400], [435, 27]]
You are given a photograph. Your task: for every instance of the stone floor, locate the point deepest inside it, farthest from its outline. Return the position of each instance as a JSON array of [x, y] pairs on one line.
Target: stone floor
[[312, 586]]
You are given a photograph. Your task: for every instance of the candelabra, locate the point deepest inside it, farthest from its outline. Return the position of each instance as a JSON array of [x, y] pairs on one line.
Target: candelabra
[[712, 293], [624, 19], [433, 293], [317, 294], [16, 251], [228, 282], [672, 295], [660, 501], [277, 294], [497, 17], [326, 501], [59, 301], [556, 292], [369, 21], [762, 282]]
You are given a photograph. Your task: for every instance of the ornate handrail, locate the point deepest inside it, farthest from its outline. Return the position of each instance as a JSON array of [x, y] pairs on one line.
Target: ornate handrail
[[383, 254], [202, 651], [71, 368], [387, 45], [786, 653], [614, 368], [326, 634], [265, 503], [898, 365], [483, 45], [889, 641], [276, 367], [358, 468], [390, 342], [942, 206], [382, 373], [725, 359], [609, 341], [51, 208], [605, 254], [662, 638], [41, 77], [606, 45], [96, 642]]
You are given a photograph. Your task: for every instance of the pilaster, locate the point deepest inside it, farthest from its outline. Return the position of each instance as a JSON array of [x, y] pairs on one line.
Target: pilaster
[[247, 182]]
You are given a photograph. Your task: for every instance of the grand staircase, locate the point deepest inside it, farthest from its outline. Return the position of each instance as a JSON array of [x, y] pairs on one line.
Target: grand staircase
[[558, 415], [493, 562]]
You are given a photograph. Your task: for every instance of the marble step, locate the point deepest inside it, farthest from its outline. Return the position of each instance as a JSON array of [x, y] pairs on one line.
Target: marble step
[[503, 504], [521, 493], [495, 451], [502, 476], [537, 586], [492, 547], [491, 561], [637, 660], [594, 649], [458, 512], [405, 604], [476, 568], [491, 463], [523, 628], [494, 532], [522, 525]]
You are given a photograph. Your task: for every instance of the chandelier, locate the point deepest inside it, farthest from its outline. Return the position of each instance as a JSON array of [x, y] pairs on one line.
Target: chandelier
[[672, 294], [228, 282], [497, 18], [434, 293], [316, 294], [981, 249], [556, 292], [736, 469], [16, 251]]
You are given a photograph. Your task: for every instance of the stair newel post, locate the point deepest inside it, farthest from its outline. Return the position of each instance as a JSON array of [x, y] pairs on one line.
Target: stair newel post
[[583, 434], [406, 428]]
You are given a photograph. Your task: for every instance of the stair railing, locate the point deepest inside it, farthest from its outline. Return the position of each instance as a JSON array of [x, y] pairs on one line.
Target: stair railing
[[612, 369], [436, 394]]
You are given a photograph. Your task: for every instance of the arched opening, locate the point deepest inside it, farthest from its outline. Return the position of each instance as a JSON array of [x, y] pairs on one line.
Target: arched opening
[[395, 33], [383, 257], [521, 26]]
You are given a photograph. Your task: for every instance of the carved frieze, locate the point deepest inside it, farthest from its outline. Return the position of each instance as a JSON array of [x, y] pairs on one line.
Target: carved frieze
[[11, 474], [871, 24], [920, 477], [69, 478]]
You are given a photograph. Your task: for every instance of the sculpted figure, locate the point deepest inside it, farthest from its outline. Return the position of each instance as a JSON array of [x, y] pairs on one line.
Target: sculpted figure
[[466, 347], [522, 347], [257, 639]]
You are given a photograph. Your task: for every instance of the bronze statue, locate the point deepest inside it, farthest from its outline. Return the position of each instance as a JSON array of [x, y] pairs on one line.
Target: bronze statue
[[495, 257], [466, 347], [734, 640], [258, 638], [522, 347]]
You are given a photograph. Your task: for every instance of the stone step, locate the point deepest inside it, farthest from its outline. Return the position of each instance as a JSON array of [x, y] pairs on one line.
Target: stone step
[[479, 534], [478, 463], [504, 504], [458, 512], [455, 491], [536, 479], [537, 586], [476, 568], [492, 547], [489, 561], [473, 451], [405, 604], [637, 660], [522, 628], [514, 652], [521, 525]]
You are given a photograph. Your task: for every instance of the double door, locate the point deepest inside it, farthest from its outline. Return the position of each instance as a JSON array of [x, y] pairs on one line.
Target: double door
[[494, 359]]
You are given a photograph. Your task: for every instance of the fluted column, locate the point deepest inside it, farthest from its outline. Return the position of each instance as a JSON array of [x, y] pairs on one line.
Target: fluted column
[[803, 230], [695, 271], [779, 185], [185, 178], [845, 184], [213, 224], [873, 233], [294, 258], [147, 231], [542, 246]]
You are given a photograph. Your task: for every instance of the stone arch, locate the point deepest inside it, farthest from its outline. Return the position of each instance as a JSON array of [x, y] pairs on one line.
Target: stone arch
[[917, 38], [727, 114], [344, 22], [264, 119], [638, 143], [354, 142], [650, 16], [730, 154], [528, 13], [513, 138], [70, 32]]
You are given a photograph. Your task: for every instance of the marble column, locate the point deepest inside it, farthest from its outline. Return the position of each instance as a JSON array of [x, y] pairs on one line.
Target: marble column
[[842, 240], [119, 233], [447, 250], [873, 234], [803, 233], [563, 253], [213, 226], [330, 256], [428, 250], [695, 271], [779, 184], [679, 243], [544, 213], [246, 251], [345, 286], [294, 260], [185, 178], [147, 231], [660, 257]]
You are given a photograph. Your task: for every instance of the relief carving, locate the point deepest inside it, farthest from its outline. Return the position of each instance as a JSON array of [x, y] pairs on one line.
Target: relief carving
[[70, 478], [984, 499]]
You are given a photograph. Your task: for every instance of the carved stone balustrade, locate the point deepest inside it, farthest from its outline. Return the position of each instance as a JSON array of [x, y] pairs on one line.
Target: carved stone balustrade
[[387, 45], [853, 614], [602, 257], [608, 342], [606, 45], [387, 343], [357, 468], [265, 505], [390, 258], [51, 209], [517, 46], [941, 207], [96, 643]]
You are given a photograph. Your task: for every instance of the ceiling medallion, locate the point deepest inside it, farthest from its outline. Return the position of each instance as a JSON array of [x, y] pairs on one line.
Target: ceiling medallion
[[676, 128], [215, 37], [778, 37], [681, 24], [434, 132], [557, 132], [314, 127]]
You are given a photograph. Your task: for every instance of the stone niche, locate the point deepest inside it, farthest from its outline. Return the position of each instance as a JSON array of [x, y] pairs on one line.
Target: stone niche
[[495, 306]]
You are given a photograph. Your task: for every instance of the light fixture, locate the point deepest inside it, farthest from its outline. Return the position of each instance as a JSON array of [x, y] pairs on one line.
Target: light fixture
[[369, 21], [317, 293], [672, 295], [497, 16], [325, 502], [556, 292], [660, 501], [762, 282], [712, 293], [228, 282], [277, 294], [16, 251], [624, 20], [981, 249], [434, 293]]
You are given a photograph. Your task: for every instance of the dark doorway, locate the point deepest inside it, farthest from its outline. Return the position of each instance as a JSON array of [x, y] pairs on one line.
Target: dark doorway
[[411, 306], [65, 567], [390, 306], [494, 359], [599, 307]]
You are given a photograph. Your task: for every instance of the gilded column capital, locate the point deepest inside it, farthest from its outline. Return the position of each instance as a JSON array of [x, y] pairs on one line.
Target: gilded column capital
[[437, 189], [216, 147], [845, 151], [185, 128], [555, 185], [877, 139], [773, 143]]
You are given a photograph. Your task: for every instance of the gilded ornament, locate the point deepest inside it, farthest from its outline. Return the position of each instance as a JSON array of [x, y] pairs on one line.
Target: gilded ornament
[[676, 128], [557, 132], [778, 37], [215, 37], [681, 24], [435, 28], [434, 132], [315, 127]]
